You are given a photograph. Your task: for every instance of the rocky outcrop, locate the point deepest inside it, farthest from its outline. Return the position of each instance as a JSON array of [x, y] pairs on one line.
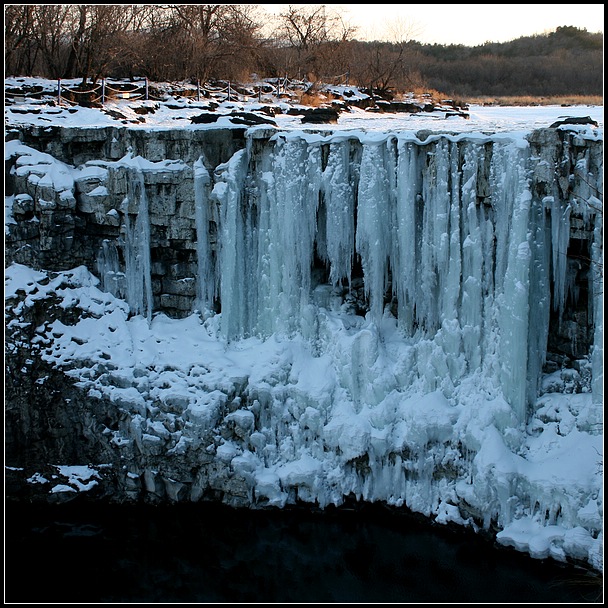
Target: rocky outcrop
[[78, 145], [320, 116], [564, 178], [134, 447], [68, 199]]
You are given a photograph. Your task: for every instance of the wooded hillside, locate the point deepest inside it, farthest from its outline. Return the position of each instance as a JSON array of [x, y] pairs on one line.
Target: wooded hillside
[[232, 42]]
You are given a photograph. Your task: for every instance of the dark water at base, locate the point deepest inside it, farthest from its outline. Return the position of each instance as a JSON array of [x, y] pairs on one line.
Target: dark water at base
[[211, 554]]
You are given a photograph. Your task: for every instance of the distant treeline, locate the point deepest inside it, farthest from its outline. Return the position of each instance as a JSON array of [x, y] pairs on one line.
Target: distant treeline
[[569, 61], [235, 42]]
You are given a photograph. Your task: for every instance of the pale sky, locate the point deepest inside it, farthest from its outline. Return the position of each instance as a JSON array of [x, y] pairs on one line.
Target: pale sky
[[468, 24]]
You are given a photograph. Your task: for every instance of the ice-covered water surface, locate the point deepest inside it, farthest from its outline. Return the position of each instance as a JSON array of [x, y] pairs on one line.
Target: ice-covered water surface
[[428, 399]]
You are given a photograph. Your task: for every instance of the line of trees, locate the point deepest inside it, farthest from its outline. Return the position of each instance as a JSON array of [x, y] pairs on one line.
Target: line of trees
[[313, 42], [568, 61]]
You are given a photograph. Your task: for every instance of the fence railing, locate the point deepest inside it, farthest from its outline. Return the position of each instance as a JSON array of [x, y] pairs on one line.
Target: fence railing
[[99, 93], [105, 90], [340, 80]]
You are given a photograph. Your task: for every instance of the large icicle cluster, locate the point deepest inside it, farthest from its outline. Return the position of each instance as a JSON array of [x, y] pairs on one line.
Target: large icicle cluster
[[446, 227]]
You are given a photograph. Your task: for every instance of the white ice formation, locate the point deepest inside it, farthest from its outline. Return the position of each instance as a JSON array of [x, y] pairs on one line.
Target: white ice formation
[[385, 307]]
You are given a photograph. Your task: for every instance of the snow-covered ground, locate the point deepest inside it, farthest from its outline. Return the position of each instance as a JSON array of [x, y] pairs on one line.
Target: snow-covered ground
[[177, 112], [346, 391]]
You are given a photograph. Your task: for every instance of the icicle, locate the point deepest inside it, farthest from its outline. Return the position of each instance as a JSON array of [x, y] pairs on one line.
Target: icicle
[[434, 253], [137, 254], [449, 362], [406, 258], [502, 176], [268, 228], [459, 203], [374, 222], [472, 313], [439, 237], [597, 294], [339, 187], [108, 267], [268, 283], [292, 202], [488, 283], [560, 238], [539, 298], [514, 297], [206, 286], [234, 293]]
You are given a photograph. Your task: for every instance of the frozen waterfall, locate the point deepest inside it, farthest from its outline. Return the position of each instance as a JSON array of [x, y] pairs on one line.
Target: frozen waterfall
[[447, 230], [377, 316], [452, 236]]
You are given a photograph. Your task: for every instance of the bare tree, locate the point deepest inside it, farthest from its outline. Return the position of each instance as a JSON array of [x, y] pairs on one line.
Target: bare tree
[[98, 36], [204, 36], [20, 53], [401, 30], [178, 42], [390, 64], [307, 29], [240, 40], [49, 36]]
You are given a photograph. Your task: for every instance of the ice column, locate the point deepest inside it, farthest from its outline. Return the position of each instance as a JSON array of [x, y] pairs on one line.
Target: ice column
[[560, 238], [455, 310], [229, 190], [476, 239], [539, 296], [137, 252], [442, 257], [108, 267], [375, 220], [340, 180], [268, 284], [268, 229], [292, 200], [206, 286], [435, 238], [513, 197], [406, 255], [597, 355]]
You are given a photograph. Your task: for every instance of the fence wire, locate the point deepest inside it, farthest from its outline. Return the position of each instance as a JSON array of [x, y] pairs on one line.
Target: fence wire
[[105, 91]]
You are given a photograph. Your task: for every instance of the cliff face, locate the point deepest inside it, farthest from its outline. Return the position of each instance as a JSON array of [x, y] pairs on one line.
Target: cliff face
[[480, 252], [77, 202], [66, 215]]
